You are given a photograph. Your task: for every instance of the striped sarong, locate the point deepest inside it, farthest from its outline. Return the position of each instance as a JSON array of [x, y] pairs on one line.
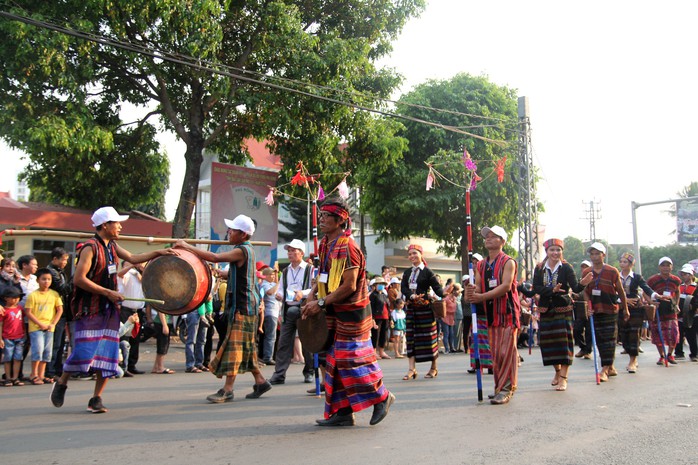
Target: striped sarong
[[606, 330], [96, 344], [421, 335], [238, 353], [670, 330], [483, 345], [629, 331], [505, 357], [556, 338], [353, 377]]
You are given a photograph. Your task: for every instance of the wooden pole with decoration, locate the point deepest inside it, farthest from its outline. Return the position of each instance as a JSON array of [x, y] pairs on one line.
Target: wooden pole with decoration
[[472, 179]]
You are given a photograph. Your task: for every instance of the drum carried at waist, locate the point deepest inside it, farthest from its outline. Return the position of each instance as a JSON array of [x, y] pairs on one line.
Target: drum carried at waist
[[313, 333], [182, 281]]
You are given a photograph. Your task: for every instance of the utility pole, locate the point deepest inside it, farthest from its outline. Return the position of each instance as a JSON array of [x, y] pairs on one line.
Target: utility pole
[[593, 213], [528, 211]]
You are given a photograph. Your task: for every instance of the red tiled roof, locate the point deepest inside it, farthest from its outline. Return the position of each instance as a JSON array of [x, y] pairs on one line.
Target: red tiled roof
[[34, 215]]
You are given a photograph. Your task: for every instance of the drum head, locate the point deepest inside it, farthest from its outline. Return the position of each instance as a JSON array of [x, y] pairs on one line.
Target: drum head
[[313, 332], [173, 280]]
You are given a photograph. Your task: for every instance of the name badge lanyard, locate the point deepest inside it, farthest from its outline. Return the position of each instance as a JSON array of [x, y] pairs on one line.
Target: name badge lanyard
[[596, 291], [490, 268], [413, 278], [323, 276], [549, 275]]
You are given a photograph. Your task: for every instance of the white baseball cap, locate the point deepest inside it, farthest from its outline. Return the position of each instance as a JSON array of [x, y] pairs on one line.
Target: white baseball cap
[[585, 263], [465, 277], [497, 230], [241, 223], [296, 244], [395, 281], [665, 259], [106, 214], [687, 268], [597, 246], [477, 256]]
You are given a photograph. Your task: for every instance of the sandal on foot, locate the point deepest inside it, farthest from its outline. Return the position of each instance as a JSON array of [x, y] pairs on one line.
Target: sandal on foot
[[562, 385], [36, 381], [8, 382], [17, 382], [432, 373], [556, 378], [48, 380], [411, 374]]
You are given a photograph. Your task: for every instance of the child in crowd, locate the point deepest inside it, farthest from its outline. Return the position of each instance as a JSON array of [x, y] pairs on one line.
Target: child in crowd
[[43, 309], [12, 329], [399, 326]]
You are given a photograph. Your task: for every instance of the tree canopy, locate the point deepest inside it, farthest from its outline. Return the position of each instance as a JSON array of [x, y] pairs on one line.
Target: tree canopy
[[70, 82], [396, 198]]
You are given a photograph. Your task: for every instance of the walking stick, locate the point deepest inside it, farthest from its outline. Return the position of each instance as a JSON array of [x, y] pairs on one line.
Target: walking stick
[[593, 347], [661, 339], [473, 309]]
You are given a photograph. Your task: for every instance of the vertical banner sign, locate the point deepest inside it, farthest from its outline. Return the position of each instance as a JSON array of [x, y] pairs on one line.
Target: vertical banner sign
[[236, 190], [687, 221]]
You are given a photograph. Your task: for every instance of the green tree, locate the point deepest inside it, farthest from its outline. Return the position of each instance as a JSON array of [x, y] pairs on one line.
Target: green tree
[[59, 79], [395, 197], [679, 254], [298, 226], [131, 175]]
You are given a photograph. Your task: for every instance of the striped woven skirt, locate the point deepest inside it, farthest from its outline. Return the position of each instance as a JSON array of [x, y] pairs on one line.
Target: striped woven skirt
[[238, 353], [96, 344], [606, 330], [556, 338], [353, 377], [670, 330], [505, 358], [421, 335], [483, 345], [629, 331]]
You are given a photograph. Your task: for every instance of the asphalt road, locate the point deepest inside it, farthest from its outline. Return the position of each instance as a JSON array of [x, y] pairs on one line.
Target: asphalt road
[[632, 419]]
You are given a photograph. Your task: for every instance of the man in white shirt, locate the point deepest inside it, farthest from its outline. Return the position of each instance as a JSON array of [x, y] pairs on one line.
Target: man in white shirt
[[129, 285], [294, 286]]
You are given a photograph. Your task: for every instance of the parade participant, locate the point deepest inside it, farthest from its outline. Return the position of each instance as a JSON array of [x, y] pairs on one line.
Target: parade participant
[[582, 325], [238, 353], [630, 330], [95, 306], [353, 378], [482, 341], [294, 287], [553, 279], [666, 292], [603, 289], [495, 290], [421, 334], [686, 330]]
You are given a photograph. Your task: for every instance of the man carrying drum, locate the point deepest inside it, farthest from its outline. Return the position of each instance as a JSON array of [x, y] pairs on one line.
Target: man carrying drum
[[238, 352], [353, 379], [95, 306]]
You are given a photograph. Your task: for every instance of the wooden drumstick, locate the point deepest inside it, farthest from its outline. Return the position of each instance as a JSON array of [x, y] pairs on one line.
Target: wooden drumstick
[[148, 301]]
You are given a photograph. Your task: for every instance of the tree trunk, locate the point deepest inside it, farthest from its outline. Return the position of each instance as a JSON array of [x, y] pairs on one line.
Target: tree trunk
[[190, 186]]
